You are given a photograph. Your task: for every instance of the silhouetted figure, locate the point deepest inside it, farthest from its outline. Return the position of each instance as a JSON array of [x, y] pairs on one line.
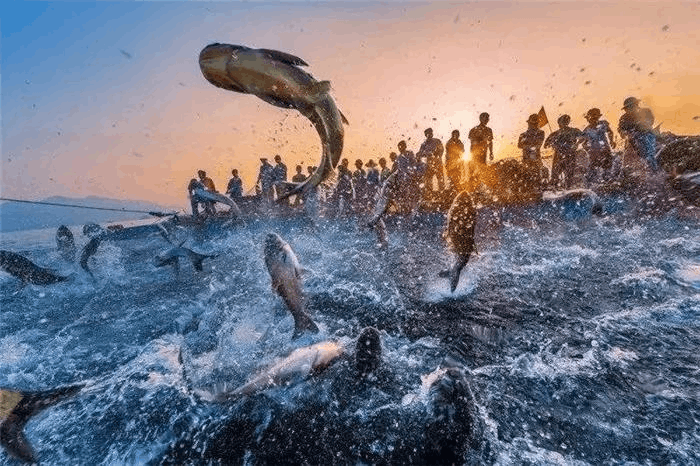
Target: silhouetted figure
[[195, 200], [359, 182], [266, 179], [408, 176], [344, 191], [392, 159], [299, 177], [531, 140], [564, 141], [481, 138], [636, 127], [431, 150], [373, 182], [234, 189], [598, 142], [454, 163], [384, 171]]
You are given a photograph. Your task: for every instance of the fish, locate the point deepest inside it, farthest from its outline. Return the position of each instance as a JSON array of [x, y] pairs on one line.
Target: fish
[[17, 407], [65, 243], [459, 233], [173, 255], [89, 250], [301, 363], [285, 272], [27, 271], [276, 78], [218, 197]]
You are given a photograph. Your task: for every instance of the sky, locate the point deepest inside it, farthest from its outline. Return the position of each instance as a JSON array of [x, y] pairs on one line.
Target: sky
[[107, 99]]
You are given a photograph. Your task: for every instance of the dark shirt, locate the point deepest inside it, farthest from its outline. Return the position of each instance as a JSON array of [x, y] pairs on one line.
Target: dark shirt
[[384, 174], [280, 172], [299, 178], [266, 176], [208, 184], [564, 140], [235, 187], [530, 142], [635, 122], [431, 149], [344, 185], [480, 137], [194, 184], [373, 176]]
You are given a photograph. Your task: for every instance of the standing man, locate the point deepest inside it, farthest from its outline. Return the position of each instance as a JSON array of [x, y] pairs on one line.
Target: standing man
[[531, 141], [235, 186], [432, 150], [454, 150], [279, 173], [636, 126], [565, 140], [344, 191], [384, 171], [481, 138], [599, 141], [298, 178], [359, 182], [266, 179]]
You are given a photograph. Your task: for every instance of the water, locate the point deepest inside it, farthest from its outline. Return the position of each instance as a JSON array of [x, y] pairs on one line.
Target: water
[[579, 336]]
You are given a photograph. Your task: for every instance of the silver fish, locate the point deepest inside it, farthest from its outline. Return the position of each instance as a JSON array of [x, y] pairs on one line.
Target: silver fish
[[27, 271], [459, 233], [285, 272], [276, 78]]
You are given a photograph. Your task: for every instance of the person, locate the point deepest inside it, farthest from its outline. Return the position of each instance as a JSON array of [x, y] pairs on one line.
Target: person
[[409, 171], [432, 150], [481, 138], [359, 182], [374, 180], [531, 140], [209, 186], [384, 171], [564, 141], [392, 159], [299, 177], [454, 150], [195, 200], [235, 186], [344, 191], [598, 141], [266, 178], [280, 169], [636, 127]]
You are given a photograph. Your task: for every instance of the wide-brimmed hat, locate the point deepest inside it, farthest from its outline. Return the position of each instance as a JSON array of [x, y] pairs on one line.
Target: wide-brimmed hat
[[593, 113], [630, 102], [533, 118]]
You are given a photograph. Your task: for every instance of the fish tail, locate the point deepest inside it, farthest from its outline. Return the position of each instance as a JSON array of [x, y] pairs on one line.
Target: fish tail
[[319, 90], [16, 408], [303, 323], [456, 271]]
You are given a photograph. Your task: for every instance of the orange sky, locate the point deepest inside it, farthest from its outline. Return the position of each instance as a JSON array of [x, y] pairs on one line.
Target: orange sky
[[139, 127]]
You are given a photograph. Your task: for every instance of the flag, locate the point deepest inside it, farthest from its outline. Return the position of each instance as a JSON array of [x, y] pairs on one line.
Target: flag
[[542, 118]]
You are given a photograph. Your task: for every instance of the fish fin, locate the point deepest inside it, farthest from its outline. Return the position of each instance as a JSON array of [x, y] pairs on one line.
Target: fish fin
[[16, 408], [342, 117], [283, 57], [456, 271], [444, 273]]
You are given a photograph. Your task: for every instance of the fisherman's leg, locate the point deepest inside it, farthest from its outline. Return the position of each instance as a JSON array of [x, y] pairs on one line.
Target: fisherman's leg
[[439, 171], [194, 203], [648, 146]]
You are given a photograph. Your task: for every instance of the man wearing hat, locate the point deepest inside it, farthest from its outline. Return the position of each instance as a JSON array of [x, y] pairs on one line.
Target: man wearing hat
[[598, 141], [636, 127], [266, 179], [531, 140]]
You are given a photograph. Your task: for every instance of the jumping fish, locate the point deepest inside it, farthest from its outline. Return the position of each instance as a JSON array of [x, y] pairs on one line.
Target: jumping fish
[[276, 78], [173, 255], [16, 408], [27, 271], [285, 272], [459, 232]]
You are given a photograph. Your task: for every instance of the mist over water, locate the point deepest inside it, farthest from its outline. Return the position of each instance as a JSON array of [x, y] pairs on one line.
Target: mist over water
[[579, 335]]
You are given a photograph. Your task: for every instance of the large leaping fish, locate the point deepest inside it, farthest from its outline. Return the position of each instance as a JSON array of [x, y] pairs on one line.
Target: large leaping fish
[[276, 78]]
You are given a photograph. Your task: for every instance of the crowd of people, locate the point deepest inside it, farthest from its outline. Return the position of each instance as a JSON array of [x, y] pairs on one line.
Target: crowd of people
[[425, 176]]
